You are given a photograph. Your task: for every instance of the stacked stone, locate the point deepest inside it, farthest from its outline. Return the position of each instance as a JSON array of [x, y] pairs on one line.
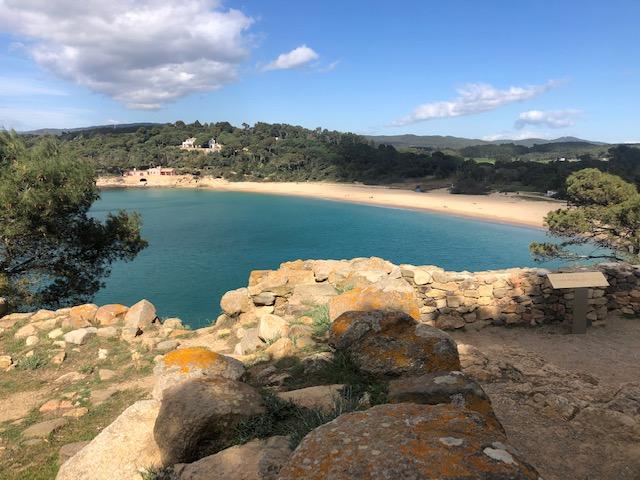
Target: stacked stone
[[623, 293]]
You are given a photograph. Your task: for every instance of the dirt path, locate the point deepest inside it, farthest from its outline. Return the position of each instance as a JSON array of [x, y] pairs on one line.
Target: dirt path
[[569, 403]]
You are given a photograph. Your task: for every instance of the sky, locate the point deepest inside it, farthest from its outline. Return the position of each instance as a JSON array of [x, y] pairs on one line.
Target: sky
[[493, 69]]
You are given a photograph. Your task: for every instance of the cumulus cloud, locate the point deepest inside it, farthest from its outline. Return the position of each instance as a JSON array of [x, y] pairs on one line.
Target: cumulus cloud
[[296, 58], [143, 53], [475, 98], [549, 118], [523, 135]]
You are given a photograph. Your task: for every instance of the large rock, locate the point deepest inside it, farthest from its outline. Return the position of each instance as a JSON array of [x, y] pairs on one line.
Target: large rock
[[259, 459], [82, 315], [406, 441], [393, 344], [41, 315], [8, 321], [140, 316], [119, 451], [320, 397], [26, 331], [455, 388], [389, 295], [271, 327], [69, 450], [236, 301], [80, 336], [108, 315], [194, 362], [44, 429], [197, 417], [249, 342]]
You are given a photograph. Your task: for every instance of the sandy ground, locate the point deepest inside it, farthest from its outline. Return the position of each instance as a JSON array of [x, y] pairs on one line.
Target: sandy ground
[[495, 207]]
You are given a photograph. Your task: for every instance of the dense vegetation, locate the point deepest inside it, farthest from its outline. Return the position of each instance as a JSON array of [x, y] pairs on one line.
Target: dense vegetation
[[603, 210], [51, 252], [280, 152]]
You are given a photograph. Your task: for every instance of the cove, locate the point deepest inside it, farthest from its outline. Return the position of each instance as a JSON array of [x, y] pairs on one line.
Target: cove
[[203, 243]]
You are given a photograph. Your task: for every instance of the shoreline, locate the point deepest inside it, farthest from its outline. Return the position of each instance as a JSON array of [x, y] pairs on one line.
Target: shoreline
[[495, 208]]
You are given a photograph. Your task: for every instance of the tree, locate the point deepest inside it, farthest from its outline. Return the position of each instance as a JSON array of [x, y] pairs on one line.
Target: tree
[[603, 210], [52, 252]]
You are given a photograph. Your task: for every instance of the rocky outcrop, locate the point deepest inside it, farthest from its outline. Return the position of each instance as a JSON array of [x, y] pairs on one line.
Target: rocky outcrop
[[393, 344], [407, 441], [259, 459], [198, 416], [191, 363], [121, 450]]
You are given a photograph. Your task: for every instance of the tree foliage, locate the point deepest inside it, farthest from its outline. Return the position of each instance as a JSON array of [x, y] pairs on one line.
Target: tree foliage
[[603, 210], [51, 251]]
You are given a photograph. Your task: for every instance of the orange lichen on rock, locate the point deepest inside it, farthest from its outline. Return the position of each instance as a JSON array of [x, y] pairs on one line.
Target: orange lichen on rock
[[393, 343], [188, 358], [406, 441], [374, 298]]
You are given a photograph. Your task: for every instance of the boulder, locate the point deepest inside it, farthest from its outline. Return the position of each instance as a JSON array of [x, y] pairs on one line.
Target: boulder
[[80, 336], [320, 397], [31, 340], [197, 417], [119, 451], [195, 362], [259, 459], [82, 315], [69, 450], [264, 298], [271, 327], [140, 316], [393, 344], [455, 388], [107, 332], [406, 441], [44, 429], [58, 332], [316, 294], [236, 301], [110, 314], [249, 342], [5, 361], [167, 345], [172, 323], [390, 295], [41, 315], [281, 348], [26, 331]]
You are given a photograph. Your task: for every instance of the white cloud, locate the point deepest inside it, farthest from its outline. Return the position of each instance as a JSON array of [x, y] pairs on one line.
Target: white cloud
[[549, 118], [475, 98], [296, 58], [143, 53], [522, 135]]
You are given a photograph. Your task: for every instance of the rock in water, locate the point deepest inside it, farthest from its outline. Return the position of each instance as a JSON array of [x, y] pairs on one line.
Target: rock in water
[[140, 315], [257, 460], [195, 362], [120, 450], [406, 441], [393, 344], [197, 417]]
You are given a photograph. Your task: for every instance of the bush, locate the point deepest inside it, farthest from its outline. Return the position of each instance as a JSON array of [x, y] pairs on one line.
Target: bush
[[31, 363]]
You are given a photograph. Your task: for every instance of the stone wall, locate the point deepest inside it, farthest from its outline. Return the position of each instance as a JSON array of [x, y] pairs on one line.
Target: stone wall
[[447, 300], [452, 300]]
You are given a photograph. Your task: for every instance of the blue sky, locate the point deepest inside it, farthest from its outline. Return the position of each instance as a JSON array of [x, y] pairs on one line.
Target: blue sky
[[492, 69]]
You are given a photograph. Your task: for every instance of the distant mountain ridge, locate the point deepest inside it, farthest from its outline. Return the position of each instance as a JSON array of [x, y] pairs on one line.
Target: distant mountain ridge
[[441, 141], [115, 126]]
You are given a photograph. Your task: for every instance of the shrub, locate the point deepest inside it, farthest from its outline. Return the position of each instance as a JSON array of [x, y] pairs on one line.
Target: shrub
[[31, 363]]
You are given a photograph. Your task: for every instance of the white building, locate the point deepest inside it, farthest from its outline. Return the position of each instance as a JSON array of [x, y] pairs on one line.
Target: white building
[[189, 143]]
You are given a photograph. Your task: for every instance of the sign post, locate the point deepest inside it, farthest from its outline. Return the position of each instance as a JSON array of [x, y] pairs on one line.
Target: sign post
[[580, 282]]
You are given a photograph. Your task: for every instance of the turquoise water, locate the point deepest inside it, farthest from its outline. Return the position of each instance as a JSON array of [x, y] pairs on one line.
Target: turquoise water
[[203, 243]]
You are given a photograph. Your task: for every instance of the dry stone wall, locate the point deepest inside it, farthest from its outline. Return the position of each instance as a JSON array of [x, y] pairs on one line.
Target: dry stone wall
[[447, 300]]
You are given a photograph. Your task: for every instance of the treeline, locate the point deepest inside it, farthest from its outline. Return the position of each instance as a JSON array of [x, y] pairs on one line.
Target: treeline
[[281, 152]]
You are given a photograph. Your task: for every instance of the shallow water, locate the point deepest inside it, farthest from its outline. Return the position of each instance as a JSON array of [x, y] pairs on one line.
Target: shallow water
[[203, 243]]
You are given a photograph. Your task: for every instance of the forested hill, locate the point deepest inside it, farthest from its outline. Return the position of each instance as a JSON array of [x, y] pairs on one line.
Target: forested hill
[[281, 152]]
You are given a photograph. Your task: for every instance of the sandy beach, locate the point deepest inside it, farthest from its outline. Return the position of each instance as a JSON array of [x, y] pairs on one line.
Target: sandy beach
[[502, 208]]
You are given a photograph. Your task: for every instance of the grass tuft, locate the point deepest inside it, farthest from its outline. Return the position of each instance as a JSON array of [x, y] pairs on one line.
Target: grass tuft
[[320, 316], [33, 362]]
